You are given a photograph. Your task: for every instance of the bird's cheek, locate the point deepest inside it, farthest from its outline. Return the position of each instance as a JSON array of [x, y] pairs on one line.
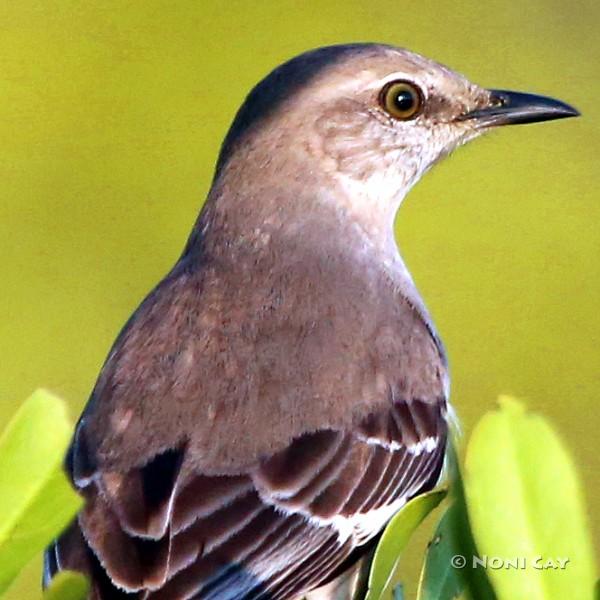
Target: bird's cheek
[[444, 138], [463, 135]]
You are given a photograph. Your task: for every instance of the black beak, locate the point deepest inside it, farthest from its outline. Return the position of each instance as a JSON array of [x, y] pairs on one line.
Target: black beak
[[512, 108]]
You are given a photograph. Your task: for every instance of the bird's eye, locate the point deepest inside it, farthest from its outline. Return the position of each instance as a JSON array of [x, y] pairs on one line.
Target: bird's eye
[[401, 99]]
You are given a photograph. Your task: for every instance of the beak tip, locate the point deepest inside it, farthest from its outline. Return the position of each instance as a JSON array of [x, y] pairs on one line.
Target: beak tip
[[565, 111]]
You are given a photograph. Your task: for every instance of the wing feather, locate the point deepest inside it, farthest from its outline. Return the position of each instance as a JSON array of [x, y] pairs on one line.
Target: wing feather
[[283, 526]]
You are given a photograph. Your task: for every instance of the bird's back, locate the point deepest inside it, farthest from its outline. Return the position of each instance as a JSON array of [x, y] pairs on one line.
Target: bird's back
[[264, 412]]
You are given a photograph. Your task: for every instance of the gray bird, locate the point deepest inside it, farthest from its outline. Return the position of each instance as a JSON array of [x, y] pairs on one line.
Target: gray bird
[[282, 392]]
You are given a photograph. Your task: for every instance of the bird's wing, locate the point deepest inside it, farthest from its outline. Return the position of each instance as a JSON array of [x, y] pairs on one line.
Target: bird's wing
[[273, 532], [191, 499]]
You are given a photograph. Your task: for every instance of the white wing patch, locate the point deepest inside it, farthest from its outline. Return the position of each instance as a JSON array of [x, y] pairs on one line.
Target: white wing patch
[[363, 526], [427, 444]]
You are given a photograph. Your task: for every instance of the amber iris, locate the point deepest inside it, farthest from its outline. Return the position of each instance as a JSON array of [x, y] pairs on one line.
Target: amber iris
[[401, 99]]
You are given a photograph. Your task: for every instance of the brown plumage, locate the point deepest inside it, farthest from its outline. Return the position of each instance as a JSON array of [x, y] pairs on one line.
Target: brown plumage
[[282, 392]]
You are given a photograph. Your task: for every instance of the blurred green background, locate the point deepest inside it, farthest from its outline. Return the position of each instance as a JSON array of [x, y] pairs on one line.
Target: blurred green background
[[111, 116]]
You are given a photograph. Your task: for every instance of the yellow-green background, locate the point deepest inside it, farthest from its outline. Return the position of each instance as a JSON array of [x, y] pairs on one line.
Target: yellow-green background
[[111, 114]]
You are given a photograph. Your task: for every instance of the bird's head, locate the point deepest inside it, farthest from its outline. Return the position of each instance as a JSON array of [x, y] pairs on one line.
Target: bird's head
[[368, 118]]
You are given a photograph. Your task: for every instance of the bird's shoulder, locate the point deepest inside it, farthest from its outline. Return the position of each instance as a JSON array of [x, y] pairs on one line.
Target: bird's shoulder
[[221, 349]]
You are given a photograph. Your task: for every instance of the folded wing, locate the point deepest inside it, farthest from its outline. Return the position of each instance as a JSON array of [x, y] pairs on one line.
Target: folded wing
[[167, 531]]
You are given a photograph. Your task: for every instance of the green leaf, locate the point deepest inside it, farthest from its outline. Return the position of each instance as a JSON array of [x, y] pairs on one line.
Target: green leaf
[[67, 585], [444, 576], [394, 539], [36, 500], [525, 502]]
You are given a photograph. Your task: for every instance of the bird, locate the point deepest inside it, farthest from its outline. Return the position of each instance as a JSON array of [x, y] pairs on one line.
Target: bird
[[283, 391]]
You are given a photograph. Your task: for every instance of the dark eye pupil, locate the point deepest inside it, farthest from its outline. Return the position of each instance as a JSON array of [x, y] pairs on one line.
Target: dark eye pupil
[[404, 100]]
